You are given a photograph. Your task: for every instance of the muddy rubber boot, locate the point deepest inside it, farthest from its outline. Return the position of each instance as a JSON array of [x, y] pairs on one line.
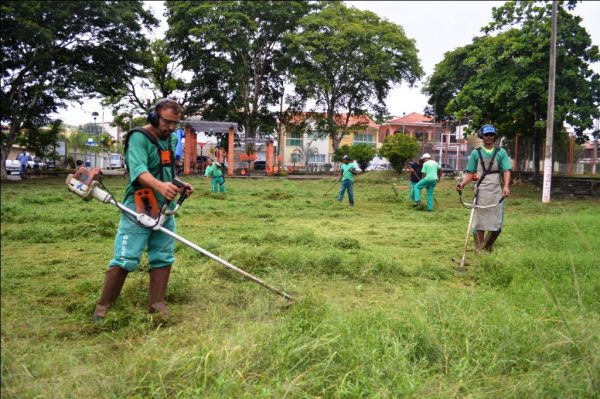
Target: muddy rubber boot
[[113, 282], [492, 236], [159, 278]]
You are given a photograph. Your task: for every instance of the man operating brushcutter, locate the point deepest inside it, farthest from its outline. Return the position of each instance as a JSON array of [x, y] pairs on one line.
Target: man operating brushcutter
[[347, 171], [150, 160], [431, 173], [216, 174], [492, 166]]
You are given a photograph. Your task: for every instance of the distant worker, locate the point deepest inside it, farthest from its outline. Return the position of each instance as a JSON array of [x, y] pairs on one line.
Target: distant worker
[[214, 171], [493, 166], [23, 158], [347, 171], [414, 177], [431, 172]]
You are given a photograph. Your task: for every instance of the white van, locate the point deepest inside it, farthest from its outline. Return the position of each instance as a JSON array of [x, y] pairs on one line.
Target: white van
[[116, 161]]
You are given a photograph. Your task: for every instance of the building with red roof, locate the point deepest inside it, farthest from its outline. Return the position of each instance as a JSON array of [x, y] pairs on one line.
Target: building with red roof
[[361, 130]]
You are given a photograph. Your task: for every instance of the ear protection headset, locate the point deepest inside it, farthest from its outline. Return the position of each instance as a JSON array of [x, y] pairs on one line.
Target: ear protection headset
[[153, 116], [487, 129]]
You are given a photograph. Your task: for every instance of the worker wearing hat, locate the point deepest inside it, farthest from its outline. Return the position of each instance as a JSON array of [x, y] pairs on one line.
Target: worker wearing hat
[[347, 171], [214, 171], [492, 166], [431, 172]]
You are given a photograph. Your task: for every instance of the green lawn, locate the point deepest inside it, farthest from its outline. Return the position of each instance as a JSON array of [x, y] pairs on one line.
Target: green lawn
[[381, 311]]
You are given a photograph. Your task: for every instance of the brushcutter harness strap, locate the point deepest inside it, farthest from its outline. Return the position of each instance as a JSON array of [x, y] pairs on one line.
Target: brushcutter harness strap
[[166, 156], [486, 169]]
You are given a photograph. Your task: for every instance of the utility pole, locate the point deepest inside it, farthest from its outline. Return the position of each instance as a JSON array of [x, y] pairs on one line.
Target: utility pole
[[550, 114], [595, 137]]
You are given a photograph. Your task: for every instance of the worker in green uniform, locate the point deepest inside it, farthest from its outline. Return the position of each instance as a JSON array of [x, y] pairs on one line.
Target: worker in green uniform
[[214, 171], [492, 167], [150, 160], [347, 171], [431, 173]]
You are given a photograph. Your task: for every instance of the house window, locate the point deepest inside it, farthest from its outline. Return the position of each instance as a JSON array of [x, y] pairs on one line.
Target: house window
[[317, 158], [295, 157], [360, 138], [294, 139]]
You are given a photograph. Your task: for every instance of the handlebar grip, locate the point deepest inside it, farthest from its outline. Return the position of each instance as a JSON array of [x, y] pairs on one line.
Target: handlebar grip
[[182, 198], [178, 183], [183, 195]]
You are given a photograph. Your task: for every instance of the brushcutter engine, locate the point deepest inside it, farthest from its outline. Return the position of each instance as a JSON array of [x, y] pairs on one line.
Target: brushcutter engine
[[86, 184]]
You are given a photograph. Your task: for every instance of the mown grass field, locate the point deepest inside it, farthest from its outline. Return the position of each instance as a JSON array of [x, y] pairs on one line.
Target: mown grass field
[[381, 311]]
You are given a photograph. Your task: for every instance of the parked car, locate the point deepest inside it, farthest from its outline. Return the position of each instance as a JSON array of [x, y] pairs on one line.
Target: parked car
[[38, 163], [586, 160], [116, 161], [379, 164], [12, 166]]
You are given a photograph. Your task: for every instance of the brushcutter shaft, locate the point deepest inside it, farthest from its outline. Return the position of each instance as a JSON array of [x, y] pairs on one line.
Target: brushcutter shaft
[[462, 261], [328, 190], [225, 263]]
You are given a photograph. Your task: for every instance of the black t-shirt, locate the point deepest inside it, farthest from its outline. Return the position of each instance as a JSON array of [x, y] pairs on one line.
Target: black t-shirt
[[416, 175]]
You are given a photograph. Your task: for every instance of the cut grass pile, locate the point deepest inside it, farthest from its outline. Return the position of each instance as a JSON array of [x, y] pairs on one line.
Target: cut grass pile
[[381, 310]]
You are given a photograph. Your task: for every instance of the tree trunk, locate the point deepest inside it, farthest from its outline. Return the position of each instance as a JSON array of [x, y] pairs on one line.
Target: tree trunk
[[10, 140], [3, 175]]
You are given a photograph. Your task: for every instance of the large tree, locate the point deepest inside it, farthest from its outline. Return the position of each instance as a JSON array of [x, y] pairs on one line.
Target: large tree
[[347, 60], [54, 52], [234, 49], [161, 77], [503, 79]]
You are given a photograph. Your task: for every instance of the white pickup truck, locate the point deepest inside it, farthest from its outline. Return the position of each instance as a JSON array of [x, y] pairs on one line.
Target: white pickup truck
[[13, 166]]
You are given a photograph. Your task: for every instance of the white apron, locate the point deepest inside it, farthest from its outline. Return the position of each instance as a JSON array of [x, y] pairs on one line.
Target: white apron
[[489, 193]]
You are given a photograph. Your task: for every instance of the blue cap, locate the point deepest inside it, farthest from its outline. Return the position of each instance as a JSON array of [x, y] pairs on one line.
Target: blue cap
[[488, 129]]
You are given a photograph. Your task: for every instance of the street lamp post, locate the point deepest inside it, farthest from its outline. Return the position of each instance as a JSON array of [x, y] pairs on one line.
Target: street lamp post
[[404, 113], [95, 115], [202, 163]]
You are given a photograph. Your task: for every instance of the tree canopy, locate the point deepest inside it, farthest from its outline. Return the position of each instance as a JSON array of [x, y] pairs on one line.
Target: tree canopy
[[234, 50], [503, 79], [361, 153], [161, 75], [56, 53], [399, 148], [347, 60]]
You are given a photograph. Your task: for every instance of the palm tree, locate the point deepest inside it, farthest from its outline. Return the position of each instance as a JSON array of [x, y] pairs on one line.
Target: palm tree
[[306, 153], [77, 141]]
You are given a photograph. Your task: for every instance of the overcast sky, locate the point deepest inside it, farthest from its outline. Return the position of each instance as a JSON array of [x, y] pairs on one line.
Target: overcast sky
[[436, 26]]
